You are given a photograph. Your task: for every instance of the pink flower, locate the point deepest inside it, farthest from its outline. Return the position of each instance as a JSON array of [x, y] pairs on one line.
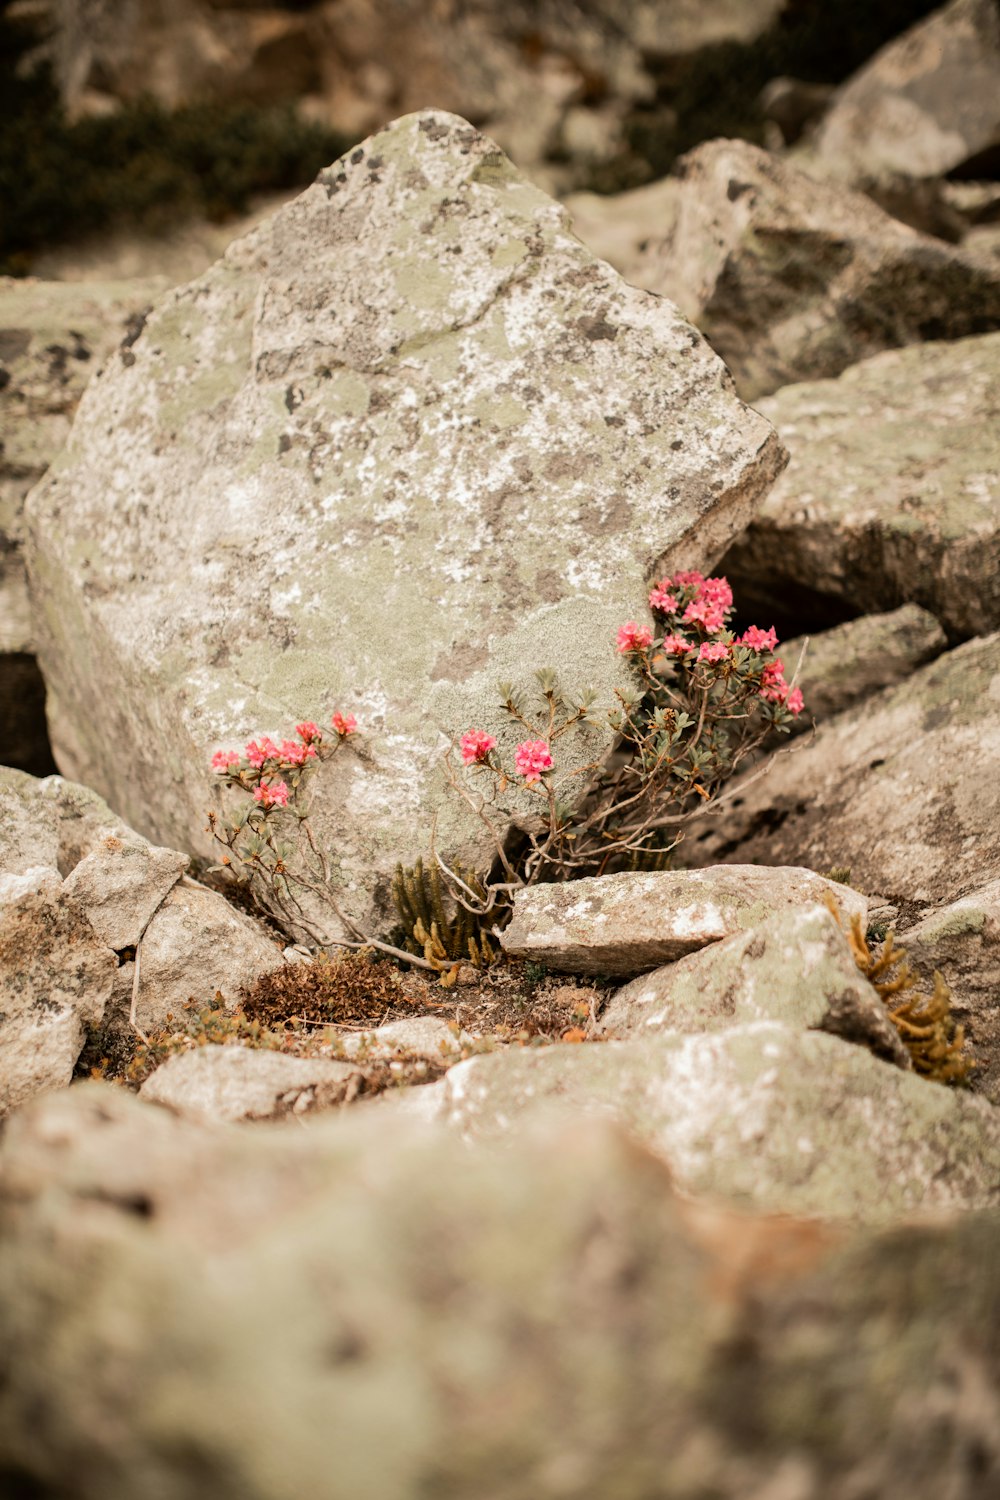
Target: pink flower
[[295, 754], [344, 724], [706, 614], [308, 731], [773, 687], [758, 640], [223, 759], [795, 702], [633, 637], [686, 580], [676, 645], [475, 746], [256, 754], [716, 591], [532, 759], [661, 600], [713, 651], [275, 795]]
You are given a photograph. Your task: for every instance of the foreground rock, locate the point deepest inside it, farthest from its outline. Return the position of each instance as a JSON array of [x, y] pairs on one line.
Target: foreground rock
[[548, 1320], [796, 968], [926, 104], [893, 491], [56, 978], [793, 279], [417, 339], [963, 942], [619, 925], [239, 1083], [851, 662], [758, 1115], [904, 791]]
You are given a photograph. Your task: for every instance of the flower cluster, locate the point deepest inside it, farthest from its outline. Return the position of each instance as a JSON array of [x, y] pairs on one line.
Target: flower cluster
[[266, 767], [532, 759], [475, 746]]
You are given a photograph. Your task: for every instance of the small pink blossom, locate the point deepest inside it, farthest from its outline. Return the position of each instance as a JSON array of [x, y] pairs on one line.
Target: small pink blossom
[[795, 702], [662, 601], [773, 687], [344, 724], [706, 614], [685, 580], [308, 731], [759, 640], [256, 754], [475, 746], [532, 759], [716, 591], [273, 795], [676, 645], [295, 754], [713, 651], [633, 637], [223, 759]]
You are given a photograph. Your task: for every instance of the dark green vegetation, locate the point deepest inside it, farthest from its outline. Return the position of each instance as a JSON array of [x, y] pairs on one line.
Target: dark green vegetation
[[143, 167], [717, 93]]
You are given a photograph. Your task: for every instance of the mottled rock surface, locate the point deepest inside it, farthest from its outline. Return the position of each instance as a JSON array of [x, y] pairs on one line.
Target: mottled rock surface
[[619, 226], [196, 946], [55, 980], [893, 490], [242, 1083], [926, 104], [548, 1320], [849, 663], [793, 279], [120, 885], [619, 925], [346, 469], [903, 790], [759, 1115], [796, 968], [962, 940], [51, 821]]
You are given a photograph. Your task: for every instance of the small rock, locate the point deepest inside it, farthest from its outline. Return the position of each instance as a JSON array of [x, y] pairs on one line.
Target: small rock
[[963, 942], [421, 1034], [245, 1083], [620, 925], [56, 977], [120, 885], [796, 968], [851, 662], [195, 946]]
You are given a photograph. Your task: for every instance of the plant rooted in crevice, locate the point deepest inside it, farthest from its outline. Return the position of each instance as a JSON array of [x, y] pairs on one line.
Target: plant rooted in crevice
[[438, 926]]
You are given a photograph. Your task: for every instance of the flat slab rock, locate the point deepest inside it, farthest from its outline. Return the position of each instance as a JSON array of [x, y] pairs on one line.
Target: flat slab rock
[[795, 968], [793, 279], [619, 925], [893, 490], [759, 1116], [406, 438], [244, 1083], [549, 1319], [904, 790]]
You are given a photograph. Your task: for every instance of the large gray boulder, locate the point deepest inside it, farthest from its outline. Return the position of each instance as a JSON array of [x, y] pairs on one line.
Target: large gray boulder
[[926, 104], [903, 790], [794, 279], [406, 438], [351, 1309], [761, 1116], [893, 490]]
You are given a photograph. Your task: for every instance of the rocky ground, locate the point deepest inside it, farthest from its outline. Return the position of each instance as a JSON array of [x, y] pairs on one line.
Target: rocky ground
[[695, 1188]]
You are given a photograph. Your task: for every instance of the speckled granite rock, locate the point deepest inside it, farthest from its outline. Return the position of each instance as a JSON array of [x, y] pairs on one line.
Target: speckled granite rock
[[796, 968], [963, 941], [407, 437], [216, 1311], [893, 491], [56, 977], [793, 279], [243, 1083], [759, 1116], [903, 790], [619, 925], [51, 821], [120, 885]]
